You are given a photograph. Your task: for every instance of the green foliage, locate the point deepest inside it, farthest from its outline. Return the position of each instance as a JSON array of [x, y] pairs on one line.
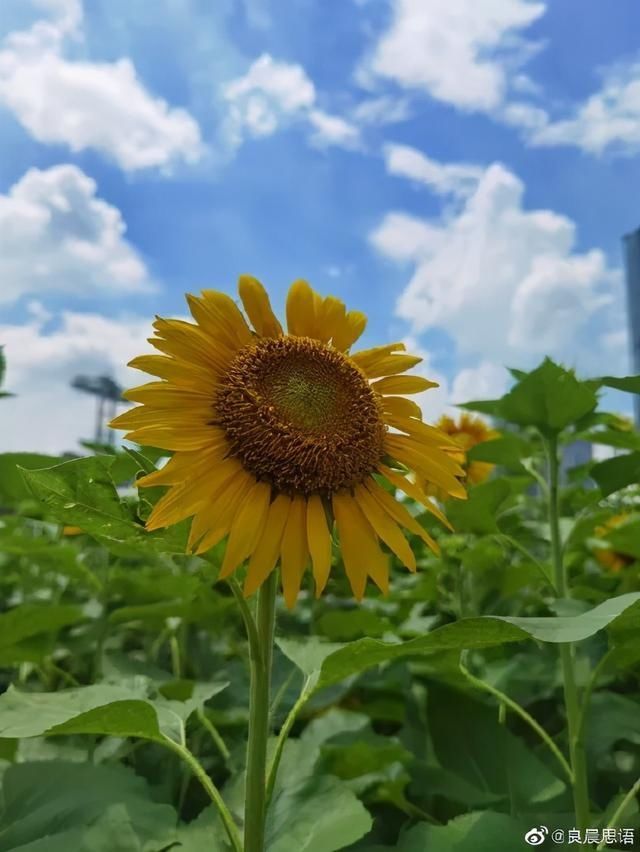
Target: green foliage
[[119, 653]]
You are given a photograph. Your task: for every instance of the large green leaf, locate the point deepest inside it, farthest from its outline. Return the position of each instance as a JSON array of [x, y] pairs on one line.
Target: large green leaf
[[12, 485], [508, 450], [475, 832], [59, 807], [329, 663], [616, 473], [27, 620], [122, 711], [549, 397], [312, 811], [629, 384], [204, 834], [478, 513], [470, 742], [81, 493], [612, 438]]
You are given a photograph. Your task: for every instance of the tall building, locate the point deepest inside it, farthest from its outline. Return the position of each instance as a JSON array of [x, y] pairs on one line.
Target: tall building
[[632, 259]]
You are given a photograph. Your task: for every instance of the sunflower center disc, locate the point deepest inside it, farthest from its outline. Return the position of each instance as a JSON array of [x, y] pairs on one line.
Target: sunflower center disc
[[300, 416]]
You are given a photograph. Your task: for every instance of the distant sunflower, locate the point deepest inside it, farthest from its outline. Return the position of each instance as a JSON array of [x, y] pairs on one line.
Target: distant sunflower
[[466, 432], [276, 436], [612, 560]]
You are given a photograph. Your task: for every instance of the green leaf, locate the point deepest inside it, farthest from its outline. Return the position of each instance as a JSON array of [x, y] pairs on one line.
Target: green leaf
[[204, 834], [475, 832], [490, 407], [478, 513], [626, 538], [3, 364], [59, 807], [629, 384], [27, 620], [549, 397], [470, 742], [612, 438], [121, 711], [613, 474], [328, 663], [12, 485], [322, 815], [81, 493], [508, 450]]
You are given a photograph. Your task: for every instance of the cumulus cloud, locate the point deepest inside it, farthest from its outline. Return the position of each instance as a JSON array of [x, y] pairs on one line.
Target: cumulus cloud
[[83, 104], [272, 95], [506, 283], [444, 178], [456, 51], [43, 355], [610, 118], [57, 235]]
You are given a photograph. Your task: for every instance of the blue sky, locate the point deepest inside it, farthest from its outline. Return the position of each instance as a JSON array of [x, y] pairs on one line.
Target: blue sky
[[461, 171]]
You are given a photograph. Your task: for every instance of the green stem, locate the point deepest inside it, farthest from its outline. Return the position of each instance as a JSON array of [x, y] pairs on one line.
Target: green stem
[[617, 814], [261, 658], [567, 659], [208, 725], [601, 665], [214, 794], [304, 696], [505, 701]]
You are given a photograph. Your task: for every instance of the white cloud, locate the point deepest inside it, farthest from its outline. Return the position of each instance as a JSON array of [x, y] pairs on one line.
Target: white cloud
[[56, 235], [46, 414], [89, 104], [485, 381], [271, 95], [609, 118], [458, 51], [444, 178], [333, 130], [506, 283], [382, 110]]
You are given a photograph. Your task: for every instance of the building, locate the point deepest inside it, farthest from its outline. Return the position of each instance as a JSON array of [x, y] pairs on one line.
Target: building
[[632, 259]]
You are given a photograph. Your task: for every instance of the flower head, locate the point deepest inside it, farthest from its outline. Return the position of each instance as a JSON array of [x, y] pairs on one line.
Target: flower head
[[612, 560], [278, 436], [468, 431]]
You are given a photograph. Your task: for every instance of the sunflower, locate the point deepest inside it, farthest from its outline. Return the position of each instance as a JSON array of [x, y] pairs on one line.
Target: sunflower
[[278, 436], [466, 433], [612, 560]]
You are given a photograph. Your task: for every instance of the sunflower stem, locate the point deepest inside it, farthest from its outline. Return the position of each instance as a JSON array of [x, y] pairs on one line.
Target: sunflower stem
[[567, 654], [261, 653]]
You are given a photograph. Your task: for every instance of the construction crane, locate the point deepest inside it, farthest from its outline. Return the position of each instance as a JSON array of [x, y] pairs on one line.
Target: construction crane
[[108, 394]]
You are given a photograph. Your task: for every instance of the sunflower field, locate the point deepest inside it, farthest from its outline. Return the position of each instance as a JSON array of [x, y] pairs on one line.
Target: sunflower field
[[228, 636]]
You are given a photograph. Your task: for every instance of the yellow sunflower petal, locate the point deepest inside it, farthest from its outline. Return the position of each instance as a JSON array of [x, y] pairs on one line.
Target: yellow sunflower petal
[[403, 385], [301, 310], [416, 428], [263, 558], [360, 550], [217, 324], [219, 514], [367, 358], [413, 456], [224, 311], [258, 307], [349, 330], [294, 550], [400, 514], [185, 498], [177, 372], [167, 438], [319, 538], [184, 465], [330, 316], [246, 528], [387, 530], [400, 406], [412, 490], [389, 365], [183, 339]]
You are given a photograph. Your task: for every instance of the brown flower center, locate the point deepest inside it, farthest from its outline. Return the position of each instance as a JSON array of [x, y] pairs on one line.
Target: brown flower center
[[300, 416]]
